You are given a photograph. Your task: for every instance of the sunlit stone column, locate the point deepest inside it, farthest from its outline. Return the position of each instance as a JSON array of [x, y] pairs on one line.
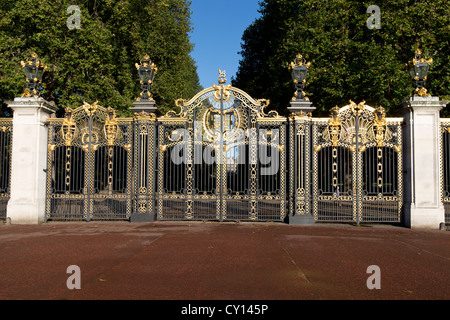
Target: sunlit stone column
[[29, 160], [423, 206]]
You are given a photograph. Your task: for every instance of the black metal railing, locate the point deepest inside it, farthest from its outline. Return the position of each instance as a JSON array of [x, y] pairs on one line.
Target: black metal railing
[[6, 127], [445, 167]]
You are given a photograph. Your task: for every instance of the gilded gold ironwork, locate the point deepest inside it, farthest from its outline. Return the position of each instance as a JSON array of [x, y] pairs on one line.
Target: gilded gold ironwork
[[357, 137], [90, 109], [298, 69], [69, 129], [371, 127], [223, 121], [334, 125], [111, 128], [300, 163], [32, 83], [296, 93], [299, 61], [147, 70], [222, 78], [144, 115], [90, 143], [357, 109], [146, 63], [26, 93], [379, 125], [222, 91], [420, 62], [420, 59], [422, 92]]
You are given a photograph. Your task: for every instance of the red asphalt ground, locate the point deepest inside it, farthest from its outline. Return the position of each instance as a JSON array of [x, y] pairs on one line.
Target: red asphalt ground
[[222, 261]]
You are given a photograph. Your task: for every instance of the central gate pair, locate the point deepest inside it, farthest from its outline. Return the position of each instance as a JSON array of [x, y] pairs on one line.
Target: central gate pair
[[221, 158]]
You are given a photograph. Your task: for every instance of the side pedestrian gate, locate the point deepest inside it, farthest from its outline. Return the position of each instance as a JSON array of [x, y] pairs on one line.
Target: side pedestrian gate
[[222, 158], [89, 167], [357, 166]]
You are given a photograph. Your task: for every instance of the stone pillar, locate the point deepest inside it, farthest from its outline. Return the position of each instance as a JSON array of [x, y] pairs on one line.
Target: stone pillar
[[29, 160], [422, 188]]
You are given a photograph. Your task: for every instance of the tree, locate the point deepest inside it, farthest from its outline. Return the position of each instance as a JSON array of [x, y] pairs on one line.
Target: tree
[[348, 60], [96, 61]]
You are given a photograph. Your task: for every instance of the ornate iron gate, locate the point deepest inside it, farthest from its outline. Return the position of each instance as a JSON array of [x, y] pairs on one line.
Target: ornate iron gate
[[5, 163], [357, 166], [221, 158], [89, 169]]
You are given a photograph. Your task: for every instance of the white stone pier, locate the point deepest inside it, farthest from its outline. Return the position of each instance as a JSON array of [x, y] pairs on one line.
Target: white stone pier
[[422, 135], [29, 160]]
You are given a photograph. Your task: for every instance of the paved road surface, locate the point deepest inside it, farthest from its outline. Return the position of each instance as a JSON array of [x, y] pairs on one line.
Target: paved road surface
[[212, 261]]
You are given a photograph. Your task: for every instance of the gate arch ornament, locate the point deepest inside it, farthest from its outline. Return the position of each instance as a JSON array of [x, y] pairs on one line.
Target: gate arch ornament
[[357, 165], [221, 157]]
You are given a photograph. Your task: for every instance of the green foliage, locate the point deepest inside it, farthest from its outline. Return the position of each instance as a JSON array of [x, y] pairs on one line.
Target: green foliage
[[96, 62], [348, 61]]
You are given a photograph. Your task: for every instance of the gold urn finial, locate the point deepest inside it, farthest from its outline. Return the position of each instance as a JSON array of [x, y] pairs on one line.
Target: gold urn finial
[[222, 79]]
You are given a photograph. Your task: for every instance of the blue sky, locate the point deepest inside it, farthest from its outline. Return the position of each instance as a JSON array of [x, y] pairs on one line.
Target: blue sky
[[218, 27]]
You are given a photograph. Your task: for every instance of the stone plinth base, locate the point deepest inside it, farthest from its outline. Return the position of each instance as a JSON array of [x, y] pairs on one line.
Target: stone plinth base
[[142, 217], [424, 218], [298, 219]]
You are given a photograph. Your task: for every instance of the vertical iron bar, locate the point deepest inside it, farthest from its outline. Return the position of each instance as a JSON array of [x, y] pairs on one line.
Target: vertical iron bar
[[90, 172], [221, 164]]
